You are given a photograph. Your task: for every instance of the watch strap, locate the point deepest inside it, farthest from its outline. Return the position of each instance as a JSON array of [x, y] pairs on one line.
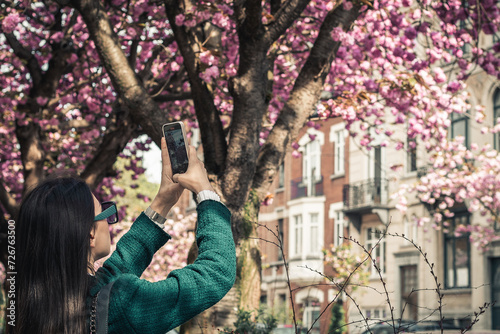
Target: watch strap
[[155, 217], [207, 194]]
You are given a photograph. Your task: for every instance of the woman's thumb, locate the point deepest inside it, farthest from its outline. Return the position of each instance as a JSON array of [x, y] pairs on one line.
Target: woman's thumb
[[175, 178]]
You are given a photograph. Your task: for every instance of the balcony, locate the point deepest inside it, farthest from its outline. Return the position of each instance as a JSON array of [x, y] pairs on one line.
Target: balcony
[[364, 197], [301, 187]]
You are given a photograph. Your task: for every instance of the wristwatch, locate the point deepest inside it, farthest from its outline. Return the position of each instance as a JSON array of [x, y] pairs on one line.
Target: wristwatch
[[155, 217], [207, 194]]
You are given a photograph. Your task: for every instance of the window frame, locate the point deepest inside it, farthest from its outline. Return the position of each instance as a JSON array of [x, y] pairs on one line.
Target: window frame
[[310, 156], [311, 308], [313, 244], [338, 228], [451, 237], [298, 242], [281, 235], [281, 176], [496, 115], [457, 119], [410, 228], [339, 153], [338, 139], [370, 241], [411, 155]]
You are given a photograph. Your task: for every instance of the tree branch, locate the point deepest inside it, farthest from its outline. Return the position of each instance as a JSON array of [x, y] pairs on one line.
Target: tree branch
[[106, 154], [212, 134], [58, 66], [248, 16], [284, 18], [303, 98], [249, 90], [174, 97], [8, 202], [132, 58], [32, 154], [135, 99], [154, 54], [25, 54]]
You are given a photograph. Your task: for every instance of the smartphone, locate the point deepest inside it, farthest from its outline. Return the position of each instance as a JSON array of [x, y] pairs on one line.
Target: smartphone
[[175, 136]]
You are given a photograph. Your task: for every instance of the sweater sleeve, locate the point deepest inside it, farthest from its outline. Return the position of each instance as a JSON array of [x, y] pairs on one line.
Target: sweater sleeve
[[140, 306], [135, 249]]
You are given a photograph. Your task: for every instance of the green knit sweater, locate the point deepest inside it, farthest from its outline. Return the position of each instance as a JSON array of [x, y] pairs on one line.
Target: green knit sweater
[[140, 306]]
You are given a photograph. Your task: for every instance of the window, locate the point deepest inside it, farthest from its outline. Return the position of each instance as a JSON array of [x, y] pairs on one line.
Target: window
[[410, 228], [496, 115], [378, 253], [315, 244], [312, 311], [281, 176], [377, 191], [339, 152], [338, 233], [306, 231], [409, 286], [375, 313], [411, 155], [457, 253], [312, 161], [466, 47], [460, 126], [281, 236], [297, 222]]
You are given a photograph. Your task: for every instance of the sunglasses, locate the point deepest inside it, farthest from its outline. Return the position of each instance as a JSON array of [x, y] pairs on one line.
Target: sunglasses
[[109, 212]]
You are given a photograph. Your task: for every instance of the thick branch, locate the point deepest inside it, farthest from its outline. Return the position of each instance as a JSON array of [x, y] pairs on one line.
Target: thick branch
[[106, 154], [212, 134], [58, 66], [25, 54], [275, 6], [250, 32], [303, 98], [8, 202], [248, 16], [284, 18], [249, 90], [132, 58], [32, 154], [142, 107], [174, 97]]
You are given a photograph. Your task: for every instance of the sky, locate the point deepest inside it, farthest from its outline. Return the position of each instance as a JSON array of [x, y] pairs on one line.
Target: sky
[[152, 163]]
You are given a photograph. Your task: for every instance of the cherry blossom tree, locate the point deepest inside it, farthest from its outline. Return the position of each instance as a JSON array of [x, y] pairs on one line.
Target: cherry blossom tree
[[81, 78]]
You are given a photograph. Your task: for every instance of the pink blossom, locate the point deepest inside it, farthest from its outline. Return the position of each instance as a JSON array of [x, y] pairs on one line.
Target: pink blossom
[[10, 22], [347, 5], [179, 19], [41, 100]]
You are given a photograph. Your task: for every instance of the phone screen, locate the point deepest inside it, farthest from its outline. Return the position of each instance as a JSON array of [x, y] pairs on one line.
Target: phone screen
[[176, 145]]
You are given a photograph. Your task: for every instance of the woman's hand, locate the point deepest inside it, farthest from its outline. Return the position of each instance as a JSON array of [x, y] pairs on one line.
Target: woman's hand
[[195, 178], [169, 191]]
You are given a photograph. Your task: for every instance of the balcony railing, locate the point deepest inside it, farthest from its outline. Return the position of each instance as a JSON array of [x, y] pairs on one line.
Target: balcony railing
[[365, 193], [302, 187]]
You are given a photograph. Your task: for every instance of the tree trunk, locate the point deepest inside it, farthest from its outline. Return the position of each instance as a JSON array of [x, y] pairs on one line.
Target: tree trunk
[[245, 293], [248, 255]]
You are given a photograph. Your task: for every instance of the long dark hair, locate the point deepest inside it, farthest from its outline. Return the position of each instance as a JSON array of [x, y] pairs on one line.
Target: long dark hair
[[52, 248]]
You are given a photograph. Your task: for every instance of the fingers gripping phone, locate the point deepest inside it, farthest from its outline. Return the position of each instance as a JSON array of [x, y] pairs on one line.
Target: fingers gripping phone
[[175, 136]]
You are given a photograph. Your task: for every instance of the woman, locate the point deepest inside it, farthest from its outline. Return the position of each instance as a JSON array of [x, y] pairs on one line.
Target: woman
[[62, 229]]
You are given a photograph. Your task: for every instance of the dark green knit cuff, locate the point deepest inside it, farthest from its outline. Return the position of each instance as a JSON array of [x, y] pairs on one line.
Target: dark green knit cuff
[[210, 207], [144, 225]]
